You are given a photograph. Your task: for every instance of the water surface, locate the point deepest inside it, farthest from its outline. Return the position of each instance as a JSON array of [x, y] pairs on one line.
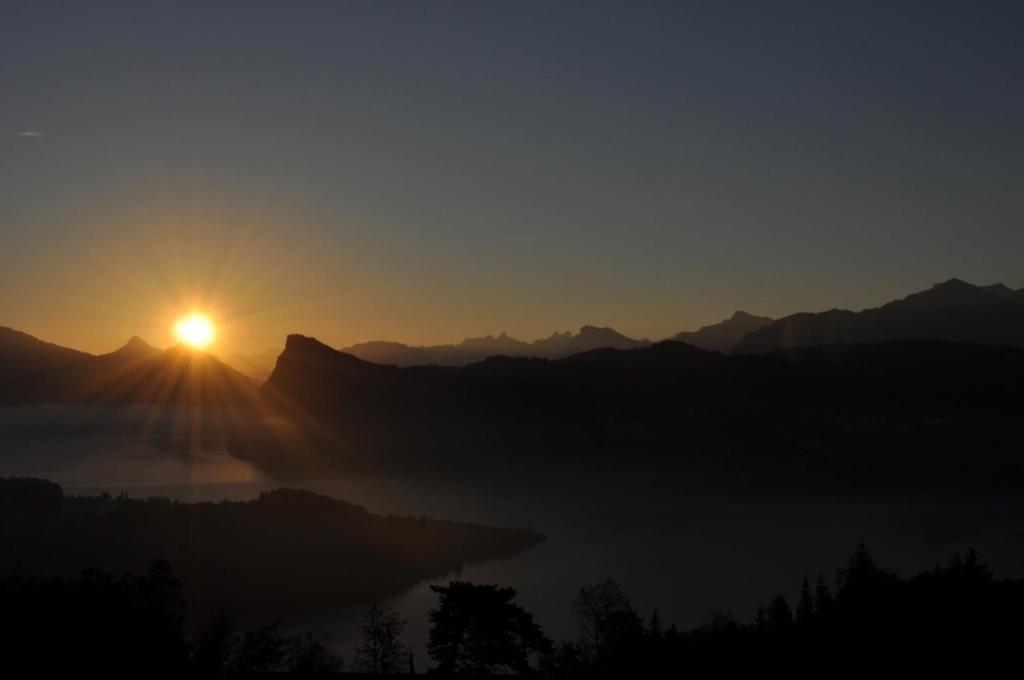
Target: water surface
[[683, 553]]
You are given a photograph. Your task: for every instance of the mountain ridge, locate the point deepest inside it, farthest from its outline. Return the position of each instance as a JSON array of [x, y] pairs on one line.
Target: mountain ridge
[[44, 373], [952, 310], [731, 418], [724, 335], [474, 349]]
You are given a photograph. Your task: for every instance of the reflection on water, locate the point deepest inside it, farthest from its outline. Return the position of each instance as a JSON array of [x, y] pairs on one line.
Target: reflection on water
[[684, 556], [681, 554]]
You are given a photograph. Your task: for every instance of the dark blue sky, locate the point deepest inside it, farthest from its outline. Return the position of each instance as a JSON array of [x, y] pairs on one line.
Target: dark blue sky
[[425, 171]]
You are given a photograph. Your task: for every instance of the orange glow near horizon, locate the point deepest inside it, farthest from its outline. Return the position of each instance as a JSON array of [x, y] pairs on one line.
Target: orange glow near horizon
[[195, 330]]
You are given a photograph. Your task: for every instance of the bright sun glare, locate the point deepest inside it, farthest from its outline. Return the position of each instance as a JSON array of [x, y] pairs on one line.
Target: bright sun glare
[[195, 330]]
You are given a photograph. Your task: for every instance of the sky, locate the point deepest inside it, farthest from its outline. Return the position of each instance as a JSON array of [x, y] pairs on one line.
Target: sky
[[428, 171]]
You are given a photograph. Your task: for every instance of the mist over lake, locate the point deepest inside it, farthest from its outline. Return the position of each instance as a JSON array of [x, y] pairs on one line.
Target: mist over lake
[[682, 552], [143, 450]]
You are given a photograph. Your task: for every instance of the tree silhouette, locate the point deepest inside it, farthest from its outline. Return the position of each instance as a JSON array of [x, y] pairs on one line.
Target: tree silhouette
[[96, 622], [822, 596], [310, 653], [260, 650], [221, 648], [654, 629], [776, 615], [805, 606], [215, 645], [381, 652], [478, 629], [610, 630], [861, 573]]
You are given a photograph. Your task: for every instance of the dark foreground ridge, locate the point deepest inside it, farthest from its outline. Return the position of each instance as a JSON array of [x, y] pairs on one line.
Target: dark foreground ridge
[[863, 616], [866, 617], [287, 552]]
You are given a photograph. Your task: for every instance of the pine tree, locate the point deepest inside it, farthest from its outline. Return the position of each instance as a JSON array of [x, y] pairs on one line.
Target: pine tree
[[480, 630], [776, 614], [805, 607], [822, 596], [654, 629]]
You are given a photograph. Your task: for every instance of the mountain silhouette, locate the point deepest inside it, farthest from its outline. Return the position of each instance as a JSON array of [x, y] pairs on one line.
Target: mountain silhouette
[[721, 337], [1002, 290], [473, 350], [552, 346], [36, 372], [503, 344], [21, 352], [593, 337], [398, 354], [955, 311], [897, 414], [134, 350], [724, 335]]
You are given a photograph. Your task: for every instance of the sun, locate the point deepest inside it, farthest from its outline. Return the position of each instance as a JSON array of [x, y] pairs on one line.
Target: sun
[[195, 330]]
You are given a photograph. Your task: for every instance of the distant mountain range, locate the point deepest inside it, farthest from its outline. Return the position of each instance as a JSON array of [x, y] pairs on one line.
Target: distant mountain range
[[472, 350], [37, 372], [724, 336], [469, 351], [33, 371], [955, 311]]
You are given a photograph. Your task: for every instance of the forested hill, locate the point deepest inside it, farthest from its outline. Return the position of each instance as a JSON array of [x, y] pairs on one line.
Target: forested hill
[[882, 415], [287, 551]]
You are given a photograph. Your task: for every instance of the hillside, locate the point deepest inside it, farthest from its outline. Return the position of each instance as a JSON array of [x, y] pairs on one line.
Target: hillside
[[868, 414], [287, 552], [37, 372]]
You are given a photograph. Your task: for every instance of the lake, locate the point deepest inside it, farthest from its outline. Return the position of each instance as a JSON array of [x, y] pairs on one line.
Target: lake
[[684, 553]]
